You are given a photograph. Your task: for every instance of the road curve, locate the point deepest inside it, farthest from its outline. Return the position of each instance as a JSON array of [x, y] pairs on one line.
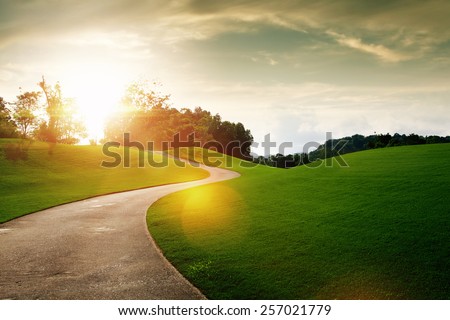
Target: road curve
[[97, 248]]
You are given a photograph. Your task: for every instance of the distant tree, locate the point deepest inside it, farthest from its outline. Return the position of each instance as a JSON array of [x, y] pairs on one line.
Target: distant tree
[[397, 140], [24, 112], [61, 126], [382, 140], [354, 143], [358, 142], [435, 139], [413, 139], [8, 128]]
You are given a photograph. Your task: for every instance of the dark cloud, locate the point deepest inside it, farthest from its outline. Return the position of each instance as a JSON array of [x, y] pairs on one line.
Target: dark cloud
[[414, 19], [392, 31], [388, 30], [52, 16]]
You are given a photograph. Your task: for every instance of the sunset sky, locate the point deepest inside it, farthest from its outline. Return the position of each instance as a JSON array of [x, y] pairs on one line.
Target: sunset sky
[[295, 69]]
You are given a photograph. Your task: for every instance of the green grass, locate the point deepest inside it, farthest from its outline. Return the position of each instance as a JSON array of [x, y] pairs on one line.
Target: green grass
[[378, 229], [72, 173]]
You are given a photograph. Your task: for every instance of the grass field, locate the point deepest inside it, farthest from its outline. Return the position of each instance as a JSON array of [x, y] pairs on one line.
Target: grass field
[[73, 173], [379, 229]]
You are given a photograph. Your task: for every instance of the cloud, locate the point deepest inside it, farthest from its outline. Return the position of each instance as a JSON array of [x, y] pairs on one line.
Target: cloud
[[393, 15], [179, 39], [399, 30], [265, 57], [302, 113], [200, 18], [377, 50]]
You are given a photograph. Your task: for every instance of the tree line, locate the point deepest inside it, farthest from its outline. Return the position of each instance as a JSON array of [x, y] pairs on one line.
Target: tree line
[[52, 120], [357, 142], [146, 116]]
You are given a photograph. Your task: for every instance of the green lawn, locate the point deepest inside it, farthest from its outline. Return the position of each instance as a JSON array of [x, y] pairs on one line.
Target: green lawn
[[377, 230], [73, 173]]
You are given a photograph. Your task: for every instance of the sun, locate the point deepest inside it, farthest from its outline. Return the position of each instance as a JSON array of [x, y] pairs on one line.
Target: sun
[[97, 93]]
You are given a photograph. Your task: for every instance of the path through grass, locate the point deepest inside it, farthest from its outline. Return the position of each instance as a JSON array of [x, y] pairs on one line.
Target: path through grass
[[376, 230], [73, 173]]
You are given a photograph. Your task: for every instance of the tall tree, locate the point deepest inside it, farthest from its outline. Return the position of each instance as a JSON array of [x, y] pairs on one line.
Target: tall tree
[[62, 126], [54, 110], [8, 128], [24, 112]]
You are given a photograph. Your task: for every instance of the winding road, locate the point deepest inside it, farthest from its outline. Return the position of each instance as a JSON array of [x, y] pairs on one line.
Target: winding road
[[97, 248]]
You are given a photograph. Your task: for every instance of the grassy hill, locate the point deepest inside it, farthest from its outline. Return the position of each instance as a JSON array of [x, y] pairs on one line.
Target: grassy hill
[[42, 180], [378, 229]]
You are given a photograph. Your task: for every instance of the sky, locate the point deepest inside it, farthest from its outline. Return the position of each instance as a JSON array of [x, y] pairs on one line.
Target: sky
[[291, 69]]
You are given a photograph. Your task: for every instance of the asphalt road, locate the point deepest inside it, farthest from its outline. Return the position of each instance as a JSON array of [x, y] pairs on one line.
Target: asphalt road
[[97, 248]]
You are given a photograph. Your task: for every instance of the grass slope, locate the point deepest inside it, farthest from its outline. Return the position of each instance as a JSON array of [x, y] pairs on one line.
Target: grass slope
[[376, 230], [73, 173]]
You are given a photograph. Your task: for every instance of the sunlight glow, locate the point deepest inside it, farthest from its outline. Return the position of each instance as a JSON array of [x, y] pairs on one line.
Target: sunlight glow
[[200, 224], [97, 90]]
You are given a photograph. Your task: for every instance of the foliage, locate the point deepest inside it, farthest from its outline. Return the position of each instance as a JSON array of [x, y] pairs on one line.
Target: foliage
[[24, 112], [375, 230], [61, 126], [357, 142], [17, 151], [148, 117], [8, 128]]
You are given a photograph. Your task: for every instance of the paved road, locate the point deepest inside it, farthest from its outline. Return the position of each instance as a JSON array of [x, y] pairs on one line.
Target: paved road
[[98, 248]]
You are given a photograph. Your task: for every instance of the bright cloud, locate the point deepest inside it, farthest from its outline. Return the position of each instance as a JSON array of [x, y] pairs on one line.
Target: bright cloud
[[377, 50], [295, 68]]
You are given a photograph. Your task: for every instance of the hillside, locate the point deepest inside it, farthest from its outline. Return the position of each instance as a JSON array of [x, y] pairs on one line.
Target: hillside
[[375, 230], [41, 180]]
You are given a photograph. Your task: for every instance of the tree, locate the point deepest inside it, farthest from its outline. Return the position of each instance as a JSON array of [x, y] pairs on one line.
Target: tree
[[413, 139], [142, 96], [202, 119], [8, 128], [245, 139], [358, 141], [144, 114], [147, 116], [24, 112], [61, 126]]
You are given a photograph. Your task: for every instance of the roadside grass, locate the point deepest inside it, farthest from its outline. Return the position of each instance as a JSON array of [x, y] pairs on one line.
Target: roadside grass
[[378, 229], [41, 180]]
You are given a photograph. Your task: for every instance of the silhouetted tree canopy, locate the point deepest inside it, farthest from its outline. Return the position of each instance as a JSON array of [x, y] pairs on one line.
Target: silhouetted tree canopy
[[345, 145], [148, 117]]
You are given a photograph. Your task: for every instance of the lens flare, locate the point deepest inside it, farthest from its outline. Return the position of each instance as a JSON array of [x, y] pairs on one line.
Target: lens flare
[[200, 223]]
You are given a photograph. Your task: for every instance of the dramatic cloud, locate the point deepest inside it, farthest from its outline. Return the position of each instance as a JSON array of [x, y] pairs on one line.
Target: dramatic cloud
[[203, 19], [294, 67], [380, 51]]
